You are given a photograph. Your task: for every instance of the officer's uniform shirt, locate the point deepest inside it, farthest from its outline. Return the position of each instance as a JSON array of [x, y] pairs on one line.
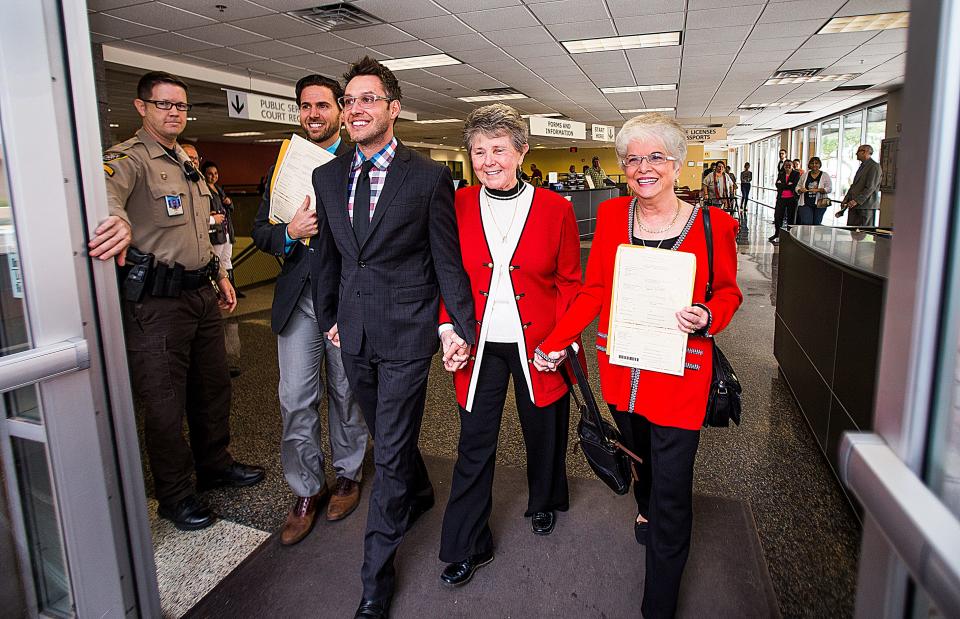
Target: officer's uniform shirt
[[168, 213]]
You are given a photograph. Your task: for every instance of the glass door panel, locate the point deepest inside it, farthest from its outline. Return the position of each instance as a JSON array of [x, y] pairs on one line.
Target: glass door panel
[[876, 128], [830, 152], [852, 136]]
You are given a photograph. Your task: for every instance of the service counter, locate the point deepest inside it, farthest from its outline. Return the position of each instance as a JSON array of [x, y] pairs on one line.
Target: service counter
[[585, 204], [830, 297]]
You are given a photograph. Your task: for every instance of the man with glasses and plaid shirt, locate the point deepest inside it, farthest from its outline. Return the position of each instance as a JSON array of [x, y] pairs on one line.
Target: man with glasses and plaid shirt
[[388, 212], [173, 291]]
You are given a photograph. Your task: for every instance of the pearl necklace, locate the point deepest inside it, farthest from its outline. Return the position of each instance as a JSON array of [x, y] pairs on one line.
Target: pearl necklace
[[676, 216]]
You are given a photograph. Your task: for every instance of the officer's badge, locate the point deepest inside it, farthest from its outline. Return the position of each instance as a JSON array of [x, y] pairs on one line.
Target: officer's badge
[[108, 157]]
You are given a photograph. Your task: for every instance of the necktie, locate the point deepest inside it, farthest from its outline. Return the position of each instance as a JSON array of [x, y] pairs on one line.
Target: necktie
[[361, 203]]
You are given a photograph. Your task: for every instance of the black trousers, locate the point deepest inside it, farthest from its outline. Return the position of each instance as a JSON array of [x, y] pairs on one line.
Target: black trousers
[[391, 395], [664, 496], [785, 207], [466, 528], [178, 367], [745, 192]]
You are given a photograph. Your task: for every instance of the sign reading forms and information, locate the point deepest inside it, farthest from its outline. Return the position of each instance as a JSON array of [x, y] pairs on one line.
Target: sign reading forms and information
[[558, 128], [705, 134], [603, 133], [251, 106]]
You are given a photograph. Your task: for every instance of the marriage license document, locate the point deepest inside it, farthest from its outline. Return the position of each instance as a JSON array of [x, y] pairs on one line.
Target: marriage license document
[[649, 287], [293, 177]]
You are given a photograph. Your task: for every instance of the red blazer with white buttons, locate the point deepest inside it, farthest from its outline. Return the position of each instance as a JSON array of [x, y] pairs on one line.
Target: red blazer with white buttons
[[664, 399], [545, 273]]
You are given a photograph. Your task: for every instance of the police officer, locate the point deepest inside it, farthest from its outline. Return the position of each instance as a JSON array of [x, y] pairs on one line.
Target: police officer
[[173, 291]]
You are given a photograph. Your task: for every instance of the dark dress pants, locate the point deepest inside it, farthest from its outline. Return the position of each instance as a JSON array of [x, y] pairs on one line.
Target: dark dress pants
[[466, 528], [785, 207], [178, 366], [391, 394], [745, 192], [668, 465]]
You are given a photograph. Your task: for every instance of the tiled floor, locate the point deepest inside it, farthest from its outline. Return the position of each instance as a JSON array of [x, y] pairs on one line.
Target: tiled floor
[[809, 534]]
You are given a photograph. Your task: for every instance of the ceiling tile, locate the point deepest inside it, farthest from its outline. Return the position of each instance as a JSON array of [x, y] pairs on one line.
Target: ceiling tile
[[140, 47], [537, 50], [406, 49], [753, 44], [115, 27], [271, 49], [393, 11], [652, 54], [550, 63], [723, 17], [583, 30], [106, 5], [660, 22], [632, 8], [869, 7], [277, 26], [453, 70], [173, 42], [223, 34], [375, 35], [160, 16], [790, 10], [320, 42], [520, 36], [226, 55], [460, 6], [235, 9], [516, 16], [567, 11], [595, 58], [788, 29], [354, 54], [477, 57], [434, 27], [691, 50], [460, 43]]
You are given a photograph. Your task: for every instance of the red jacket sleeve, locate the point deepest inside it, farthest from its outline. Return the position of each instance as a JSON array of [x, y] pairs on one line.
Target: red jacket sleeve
[[726, 293], [568, 261]]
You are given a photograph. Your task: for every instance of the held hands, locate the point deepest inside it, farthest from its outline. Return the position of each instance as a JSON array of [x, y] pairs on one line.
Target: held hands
[[218, 218], [227, 299], [304, 222], [456, 352], [556, 358], [111, 239], [333, 334], [690, 319]]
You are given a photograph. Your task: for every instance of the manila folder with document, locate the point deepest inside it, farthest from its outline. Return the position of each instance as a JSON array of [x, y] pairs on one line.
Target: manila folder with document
[[293, 177], [649, 287]]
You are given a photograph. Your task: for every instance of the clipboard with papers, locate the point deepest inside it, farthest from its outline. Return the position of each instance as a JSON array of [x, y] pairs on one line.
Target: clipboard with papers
[[293, 177], [649, 286]]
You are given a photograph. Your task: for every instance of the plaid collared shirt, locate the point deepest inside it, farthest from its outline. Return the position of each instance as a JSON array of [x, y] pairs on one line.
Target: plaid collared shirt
[[378, 174]]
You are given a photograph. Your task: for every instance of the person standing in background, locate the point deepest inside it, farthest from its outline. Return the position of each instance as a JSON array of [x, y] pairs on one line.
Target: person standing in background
[[863, 198], [786, 199], [783, 157], [223, 250], [597, 173], [816, 187], [536, 176], [746, 179], [303, 350]]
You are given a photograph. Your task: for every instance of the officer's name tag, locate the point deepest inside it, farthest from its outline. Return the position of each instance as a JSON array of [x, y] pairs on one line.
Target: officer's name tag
[[174, 206]]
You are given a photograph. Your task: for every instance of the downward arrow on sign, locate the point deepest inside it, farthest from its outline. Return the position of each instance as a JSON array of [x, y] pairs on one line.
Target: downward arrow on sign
[[237, 105]]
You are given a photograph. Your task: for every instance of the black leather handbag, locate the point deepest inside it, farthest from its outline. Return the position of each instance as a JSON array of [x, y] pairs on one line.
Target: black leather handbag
[[723, 401], [599, 440]]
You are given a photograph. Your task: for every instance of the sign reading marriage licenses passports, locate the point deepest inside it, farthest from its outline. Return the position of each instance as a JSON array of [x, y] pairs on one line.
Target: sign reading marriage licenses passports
[[649, 287]]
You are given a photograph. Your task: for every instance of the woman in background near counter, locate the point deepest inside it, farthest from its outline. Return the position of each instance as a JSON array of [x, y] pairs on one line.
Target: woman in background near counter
[[786, 199], [816, 187], [521, 251], [720, 188], [659, 415]]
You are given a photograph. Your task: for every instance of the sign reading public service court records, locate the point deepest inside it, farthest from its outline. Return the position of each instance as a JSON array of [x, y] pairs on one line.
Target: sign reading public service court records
[[558, 128], [649, 287], [251, 106]]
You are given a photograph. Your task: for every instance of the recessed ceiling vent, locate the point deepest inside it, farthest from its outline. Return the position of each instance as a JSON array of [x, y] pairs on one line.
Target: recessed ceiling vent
[[334, 17], [853, 87], [501, 91], [796, 73]]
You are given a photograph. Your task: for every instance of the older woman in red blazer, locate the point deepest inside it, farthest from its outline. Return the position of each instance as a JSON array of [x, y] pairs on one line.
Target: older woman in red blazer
[[659, 415], [521, 251]]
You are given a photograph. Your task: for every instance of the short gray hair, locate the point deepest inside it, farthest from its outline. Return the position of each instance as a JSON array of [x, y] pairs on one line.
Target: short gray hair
[[653, 125], [493, 121], [868, 147]]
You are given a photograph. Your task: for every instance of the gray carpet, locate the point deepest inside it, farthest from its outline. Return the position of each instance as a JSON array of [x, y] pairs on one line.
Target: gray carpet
[[589, 567]]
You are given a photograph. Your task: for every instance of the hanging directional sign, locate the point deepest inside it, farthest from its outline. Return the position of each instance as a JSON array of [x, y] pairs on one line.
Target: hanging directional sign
[[603, 133], [558, 128], [705, 134], [253, 106]]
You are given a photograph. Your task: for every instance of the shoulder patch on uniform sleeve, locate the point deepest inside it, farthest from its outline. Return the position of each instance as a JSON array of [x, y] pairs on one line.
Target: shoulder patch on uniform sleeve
[[107, 157], [108, 170]]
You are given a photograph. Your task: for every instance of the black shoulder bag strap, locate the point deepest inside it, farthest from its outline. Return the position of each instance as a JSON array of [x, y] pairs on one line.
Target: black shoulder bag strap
[[708, 234]]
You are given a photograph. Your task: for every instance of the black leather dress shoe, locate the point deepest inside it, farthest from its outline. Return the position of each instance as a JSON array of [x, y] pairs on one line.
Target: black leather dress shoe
[[188, 514], [641, 530], [236, 475], [420, 506], [373, 609], [457, 574], [543, 522]]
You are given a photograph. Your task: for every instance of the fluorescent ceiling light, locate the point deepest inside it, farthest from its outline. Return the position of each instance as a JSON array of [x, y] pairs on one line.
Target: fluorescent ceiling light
[[269, 140], [842, 77], [114, 125], [242, 134], [864, 23], [438, 121], [546, 115], [642, 88], [639, 110], [758, 106], [419, 62], [482, 98], [660, 39]]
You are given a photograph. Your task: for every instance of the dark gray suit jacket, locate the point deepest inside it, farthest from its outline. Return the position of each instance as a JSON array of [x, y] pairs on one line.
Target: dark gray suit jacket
[[390, 287], [866, 184], [301, 265]]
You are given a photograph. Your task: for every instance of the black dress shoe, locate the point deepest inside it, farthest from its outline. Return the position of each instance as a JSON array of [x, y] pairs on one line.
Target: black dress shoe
[[641, 530], [457, 574], [419, 507], [543, 522], [236, 475], [235, 371], [373, 609], [188, 514]]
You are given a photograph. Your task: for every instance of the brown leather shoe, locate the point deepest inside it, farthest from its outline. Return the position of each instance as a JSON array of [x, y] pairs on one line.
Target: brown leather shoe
[[301, 517], [346, 497]]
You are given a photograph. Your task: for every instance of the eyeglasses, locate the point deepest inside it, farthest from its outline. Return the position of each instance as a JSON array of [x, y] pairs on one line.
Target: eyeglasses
[[364, 101], [166, 105], [654, 159]]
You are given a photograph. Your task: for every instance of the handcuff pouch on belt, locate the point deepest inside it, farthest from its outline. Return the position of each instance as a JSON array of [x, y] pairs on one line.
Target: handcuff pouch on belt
[[137, 276], [142, 274]]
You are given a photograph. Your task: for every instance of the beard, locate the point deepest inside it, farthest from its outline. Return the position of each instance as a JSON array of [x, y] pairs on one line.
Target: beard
[[328, 131], [372, 133]]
